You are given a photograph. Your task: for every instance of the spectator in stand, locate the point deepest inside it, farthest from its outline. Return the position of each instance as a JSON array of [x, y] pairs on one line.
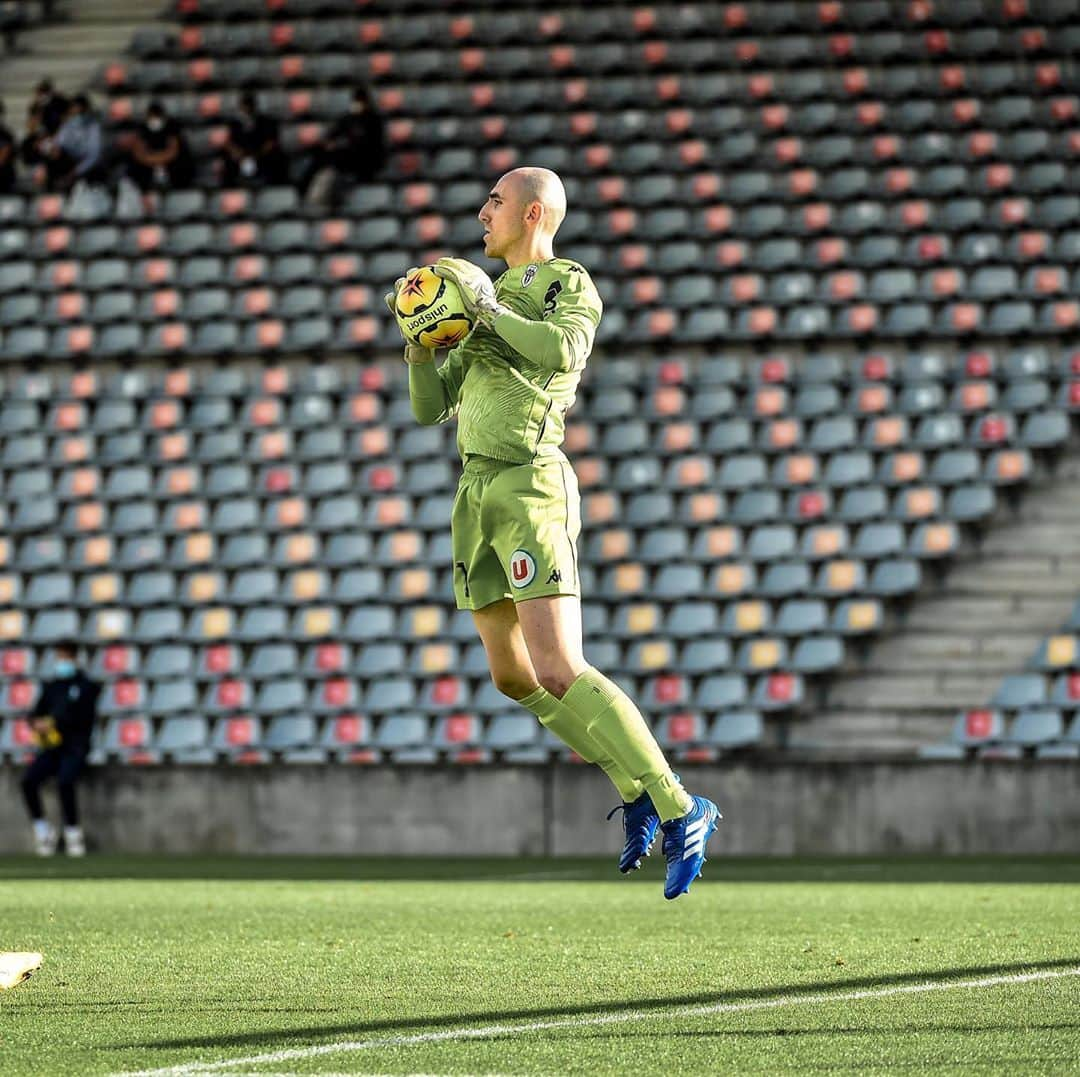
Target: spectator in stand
[[62, 721], [159, 157], [252, 153], [52, 106], [77, 152], [354, 148], [7, 156], [44, 115]]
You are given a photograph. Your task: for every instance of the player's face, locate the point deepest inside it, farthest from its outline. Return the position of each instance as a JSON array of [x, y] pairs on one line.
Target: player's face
[[502, 222]]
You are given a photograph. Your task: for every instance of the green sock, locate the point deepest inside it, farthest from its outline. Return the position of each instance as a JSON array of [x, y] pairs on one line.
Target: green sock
[[570, 729], [613, 721]]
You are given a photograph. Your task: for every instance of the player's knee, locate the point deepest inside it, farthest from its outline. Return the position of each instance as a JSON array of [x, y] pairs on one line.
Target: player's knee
[[513, 685], [557, 676]]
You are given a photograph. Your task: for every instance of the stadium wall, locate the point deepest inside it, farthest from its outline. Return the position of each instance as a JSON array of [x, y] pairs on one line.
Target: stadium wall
[[775, 808]]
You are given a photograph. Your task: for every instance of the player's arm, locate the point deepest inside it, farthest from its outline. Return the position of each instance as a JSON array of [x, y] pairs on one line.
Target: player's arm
[[561, 340], [435, 392]]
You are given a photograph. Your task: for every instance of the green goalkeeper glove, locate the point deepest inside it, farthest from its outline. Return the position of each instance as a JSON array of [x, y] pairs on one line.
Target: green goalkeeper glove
[[415, 355], [477, 291]]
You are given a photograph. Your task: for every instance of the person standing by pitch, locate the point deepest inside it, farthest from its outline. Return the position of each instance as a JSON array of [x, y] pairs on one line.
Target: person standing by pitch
[[62, 722]]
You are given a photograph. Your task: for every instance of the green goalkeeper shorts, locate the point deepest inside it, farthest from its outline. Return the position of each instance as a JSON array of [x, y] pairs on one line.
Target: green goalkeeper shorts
[[514, 530]]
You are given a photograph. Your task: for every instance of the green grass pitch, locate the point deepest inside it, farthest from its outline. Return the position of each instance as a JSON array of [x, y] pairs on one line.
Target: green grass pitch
[[242, 965]]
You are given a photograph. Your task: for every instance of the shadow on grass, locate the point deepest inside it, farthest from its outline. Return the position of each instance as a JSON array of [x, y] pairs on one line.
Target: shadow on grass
[[533, 870], [273, 1038]]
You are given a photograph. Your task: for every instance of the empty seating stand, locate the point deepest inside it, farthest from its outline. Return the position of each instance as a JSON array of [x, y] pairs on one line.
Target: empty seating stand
[[838, 250], [1032, 713], [769, 172], [259, 554]]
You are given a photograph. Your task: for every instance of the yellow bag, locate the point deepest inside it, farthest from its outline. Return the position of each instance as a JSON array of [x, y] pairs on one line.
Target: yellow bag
[[46, 738]]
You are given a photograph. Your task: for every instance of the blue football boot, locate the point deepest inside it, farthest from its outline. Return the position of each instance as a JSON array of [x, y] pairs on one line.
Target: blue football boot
[[639, 823], [684, 845]]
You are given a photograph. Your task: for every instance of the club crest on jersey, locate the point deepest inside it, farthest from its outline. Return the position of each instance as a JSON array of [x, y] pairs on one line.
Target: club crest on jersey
[[522, 568], [529, 276]]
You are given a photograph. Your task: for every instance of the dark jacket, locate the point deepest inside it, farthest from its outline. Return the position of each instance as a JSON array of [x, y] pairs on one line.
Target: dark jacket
[[71, 702], [356, 144]]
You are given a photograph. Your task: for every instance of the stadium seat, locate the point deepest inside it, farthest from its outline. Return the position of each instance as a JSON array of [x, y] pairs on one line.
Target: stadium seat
[[130, 740], [1036, 728], [1020, 690], [736, 730], [295, 739], [346, 738], [238, 739], [512, 731], [972, 729], [407, 738], [185, 740]]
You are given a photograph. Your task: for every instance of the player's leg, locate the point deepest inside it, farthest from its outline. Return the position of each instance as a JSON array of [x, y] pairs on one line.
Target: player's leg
[[44, 766], [532, 517], [508, 657], [480, 585], [513, 673], [552, 629]]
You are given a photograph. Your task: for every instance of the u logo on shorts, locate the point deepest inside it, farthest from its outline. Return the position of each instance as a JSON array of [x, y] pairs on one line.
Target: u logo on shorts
[[522, 568]]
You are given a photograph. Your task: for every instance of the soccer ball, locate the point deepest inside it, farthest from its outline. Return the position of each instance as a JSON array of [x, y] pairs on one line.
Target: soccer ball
[[430, 311]]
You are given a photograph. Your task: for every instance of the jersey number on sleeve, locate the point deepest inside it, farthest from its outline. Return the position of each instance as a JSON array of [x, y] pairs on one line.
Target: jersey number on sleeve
[[550, 296]]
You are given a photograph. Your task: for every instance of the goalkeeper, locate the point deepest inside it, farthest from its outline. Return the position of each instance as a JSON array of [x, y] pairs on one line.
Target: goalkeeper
[[516, 515]]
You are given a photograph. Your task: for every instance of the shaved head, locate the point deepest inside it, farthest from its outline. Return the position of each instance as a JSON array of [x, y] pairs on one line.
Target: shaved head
[[522, 213], [543, 186]]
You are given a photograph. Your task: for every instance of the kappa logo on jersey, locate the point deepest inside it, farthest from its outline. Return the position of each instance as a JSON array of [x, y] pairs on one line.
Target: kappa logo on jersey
[[522, 568], [528, 277]]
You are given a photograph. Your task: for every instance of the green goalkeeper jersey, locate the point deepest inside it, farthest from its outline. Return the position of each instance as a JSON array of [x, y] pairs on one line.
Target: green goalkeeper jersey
[[511, 386]]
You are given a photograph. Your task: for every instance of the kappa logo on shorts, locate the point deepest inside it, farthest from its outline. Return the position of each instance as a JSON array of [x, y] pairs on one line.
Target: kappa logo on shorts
[[522, 568]]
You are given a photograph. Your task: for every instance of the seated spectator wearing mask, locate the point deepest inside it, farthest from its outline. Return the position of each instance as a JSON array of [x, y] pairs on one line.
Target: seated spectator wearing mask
[[252, 153], [62, 722], [353, 149], [159, 157]]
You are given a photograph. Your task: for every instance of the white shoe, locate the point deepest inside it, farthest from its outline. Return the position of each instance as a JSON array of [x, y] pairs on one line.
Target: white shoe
[[74, 842], [45, 837], [15, 967]]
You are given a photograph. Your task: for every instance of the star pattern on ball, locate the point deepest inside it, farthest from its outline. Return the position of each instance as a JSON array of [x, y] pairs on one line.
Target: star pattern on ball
[[413, 285], [448, 338]]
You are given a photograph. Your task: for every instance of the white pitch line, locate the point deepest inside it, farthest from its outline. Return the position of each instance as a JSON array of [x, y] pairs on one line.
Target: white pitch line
[[190, 1069]]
